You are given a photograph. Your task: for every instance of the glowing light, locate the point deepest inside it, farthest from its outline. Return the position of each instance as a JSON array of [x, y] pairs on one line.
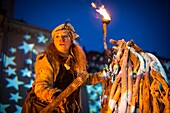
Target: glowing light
[[102, 11]]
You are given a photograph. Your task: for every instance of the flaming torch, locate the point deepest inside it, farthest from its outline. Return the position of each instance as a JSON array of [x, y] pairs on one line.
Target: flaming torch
[[106, 20]]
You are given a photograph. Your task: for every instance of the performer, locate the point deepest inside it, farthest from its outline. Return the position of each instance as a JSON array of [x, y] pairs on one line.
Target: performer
[[56, 68]]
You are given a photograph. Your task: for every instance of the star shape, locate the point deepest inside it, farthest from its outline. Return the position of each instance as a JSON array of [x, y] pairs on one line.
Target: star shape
[[19, 109], [42, 39], [26, 47], [15, 97], [10, 71], [14, 82], [26, 72], [28, 61], [29, 85], [3, 107], [12, 50], [27, 37], [9, 60]]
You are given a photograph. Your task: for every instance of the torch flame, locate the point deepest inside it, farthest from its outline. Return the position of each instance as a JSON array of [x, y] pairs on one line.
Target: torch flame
[[102, 11], [93, 5]]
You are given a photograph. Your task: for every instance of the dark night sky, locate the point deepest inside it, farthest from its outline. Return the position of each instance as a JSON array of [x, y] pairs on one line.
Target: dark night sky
[[147, 22]]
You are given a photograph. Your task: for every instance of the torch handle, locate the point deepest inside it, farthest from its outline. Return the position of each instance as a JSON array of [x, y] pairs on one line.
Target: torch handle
[[105, 36]]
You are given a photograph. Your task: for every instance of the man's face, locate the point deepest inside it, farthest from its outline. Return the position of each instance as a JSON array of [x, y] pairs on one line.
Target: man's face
[[62, 41]]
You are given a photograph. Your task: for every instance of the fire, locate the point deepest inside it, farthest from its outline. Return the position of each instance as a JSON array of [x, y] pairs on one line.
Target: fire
[[102, 11]]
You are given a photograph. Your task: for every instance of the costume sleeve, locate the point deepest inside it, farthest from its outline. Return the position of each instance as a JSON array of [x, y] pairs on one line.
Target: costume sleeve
[[44, 81], [95, 78]]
